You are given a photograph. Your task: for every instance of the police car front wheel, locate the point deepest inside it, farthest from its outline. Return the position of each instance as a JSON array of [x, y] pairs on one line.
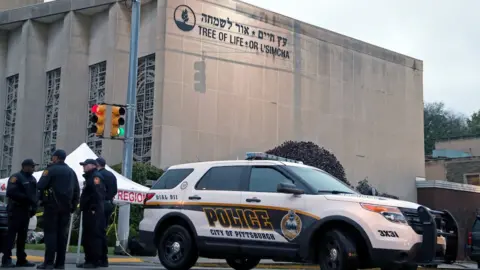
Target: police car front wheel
[[337, 252], [243, 263], [176, 249]]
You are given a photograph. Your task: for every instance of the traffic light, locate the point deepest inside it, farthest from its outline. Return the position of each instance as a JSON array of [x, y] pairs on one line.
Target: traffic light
[[116, 128], [200, 77], [98, 119]]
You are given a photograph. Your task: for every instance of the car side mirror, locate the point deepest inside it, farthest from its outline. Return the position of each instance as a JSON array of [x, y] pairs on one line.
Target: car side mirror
[[289, 188]]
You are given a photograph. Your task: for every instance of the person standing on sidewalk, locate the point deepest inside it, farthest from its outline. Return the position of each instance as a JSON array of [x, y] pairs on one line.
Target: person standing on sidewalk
[[22, 205], [59, 190], [110, 182], [91, 204]]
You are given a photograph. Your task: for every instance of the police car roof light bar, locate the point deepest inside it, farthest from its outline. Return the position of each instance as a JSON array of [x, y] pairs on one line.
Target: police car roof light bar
[[265, 156]]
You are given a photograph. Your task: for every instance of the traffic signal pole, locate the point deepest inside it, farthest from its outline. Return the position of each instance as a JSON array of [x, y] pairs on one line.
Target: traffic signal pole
[[127, 165]]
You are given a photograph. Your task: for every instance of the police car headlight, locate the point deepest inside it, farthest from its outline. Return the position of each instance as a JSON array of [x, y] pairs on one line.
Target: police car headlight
[[392, 214]]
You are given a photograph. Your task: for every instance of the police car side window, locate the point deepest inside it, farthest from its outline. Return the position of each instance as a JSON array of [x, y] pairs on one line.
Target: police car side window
[[265, 179], [224, 178], [171, 178]]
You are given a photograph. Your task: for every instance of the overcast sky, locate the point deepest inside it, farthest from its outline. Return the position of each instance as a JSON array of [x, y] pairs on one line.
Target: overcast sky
[[445, 34]]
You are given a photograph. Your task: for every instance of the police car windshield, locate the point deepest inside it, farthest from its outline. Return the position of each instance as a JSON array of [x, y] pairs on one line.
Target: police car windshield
[[320, 181]]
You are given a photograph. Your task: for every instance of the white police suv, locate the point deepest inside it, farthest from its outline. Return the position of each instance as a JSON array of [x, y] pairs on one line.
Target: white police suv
[[267, 207]]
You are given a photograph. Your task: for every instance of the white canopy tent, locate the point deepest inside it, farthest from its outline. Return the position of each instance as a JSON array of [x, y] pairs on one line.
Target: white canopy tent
[[128, 191]]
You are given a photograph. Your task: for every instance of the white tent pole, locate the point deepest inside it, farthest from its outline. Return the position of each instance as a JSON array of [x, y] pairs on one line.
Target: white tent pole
[[80, 231], [70, 231]]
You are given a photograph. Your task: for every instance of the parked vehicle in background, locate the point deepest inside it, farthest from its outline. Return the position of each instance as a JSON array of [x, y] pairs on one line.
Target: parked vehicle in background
[[473, 242], [4, 223]]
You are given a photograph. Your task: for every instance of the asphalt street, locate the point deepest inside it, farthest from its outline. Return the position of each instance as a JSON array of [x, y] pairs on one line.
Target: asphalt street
[[121, 262]]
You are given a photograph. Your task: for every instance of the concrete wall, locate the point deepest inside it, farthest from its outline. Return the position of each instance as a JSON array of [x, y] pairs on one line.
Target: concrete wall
[[462, 204], [468, 145], [366, 109], [361, 102], [11, 4], [435, 170]]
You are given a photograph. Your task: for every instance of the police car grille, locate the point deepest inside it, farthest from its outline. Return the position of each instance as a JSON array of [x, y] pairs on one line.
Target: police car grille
[[411, 215], [413, 220]]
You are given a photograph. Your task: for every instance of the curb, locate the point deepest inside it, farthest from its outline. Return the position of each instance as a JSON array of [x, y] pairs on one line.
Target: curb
[[110, 260], [133, 260]]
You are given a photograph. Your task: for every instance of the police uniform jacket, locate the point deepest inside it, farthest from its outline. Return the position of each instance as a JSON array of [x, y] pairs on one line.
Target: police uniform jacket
[[59, 187], [22, 192], [93, 193], [110, 182]]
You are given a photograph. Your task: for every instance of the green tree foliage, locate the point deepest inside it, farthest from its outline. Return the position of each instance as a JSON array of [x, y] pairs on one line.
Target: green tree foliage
[[474, 123], [363, 187], [440, 123], [311, 154]]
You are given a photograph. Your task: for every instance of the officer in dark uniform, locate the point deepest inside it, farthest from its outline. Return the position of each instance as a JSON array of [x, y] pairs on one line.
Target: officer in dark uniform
[[59, 192], [22, 205], [110, 182], [92, 206]]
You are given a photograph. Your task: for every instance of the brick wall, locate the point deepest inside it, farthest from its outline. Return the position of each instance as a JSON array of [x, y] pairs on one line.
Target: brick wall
[[457, 168], [462, 205]]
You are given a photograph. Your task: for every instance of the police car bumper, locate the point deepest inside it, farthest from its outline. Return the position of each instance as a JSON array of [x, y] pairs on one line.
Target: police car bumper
[[439, 231], [147, 240]]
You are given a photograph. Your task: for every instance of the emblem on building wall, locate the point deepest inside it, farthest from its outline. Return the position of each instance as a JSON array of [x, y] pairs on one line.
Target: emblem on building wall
[[184, 18]]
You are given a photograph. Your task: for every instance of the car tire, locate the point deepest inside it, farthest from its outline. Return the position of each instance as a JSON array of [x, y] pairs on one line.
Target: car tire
[[337, 252], [176, 249], [243, 263]]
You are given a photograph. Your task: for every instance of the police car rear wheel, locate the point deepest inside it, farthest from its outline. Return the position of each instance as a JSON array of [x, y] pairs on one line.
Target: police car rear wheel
[[176, 249], [335, 252], [243, 263]]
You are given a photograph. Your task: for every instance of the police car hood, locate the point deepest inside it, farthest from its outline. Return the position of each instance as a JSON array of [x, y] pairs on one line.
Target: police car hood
[[371, 199]]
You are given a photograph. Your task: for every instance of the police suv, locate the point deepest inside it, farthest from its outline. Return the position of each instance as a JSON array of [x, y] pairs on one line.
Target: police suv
[[268, 207]]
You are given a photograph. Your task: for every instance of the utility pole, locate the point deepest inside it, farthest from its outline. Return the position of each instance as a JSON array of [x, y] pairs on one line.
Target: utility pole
[[127, 165]]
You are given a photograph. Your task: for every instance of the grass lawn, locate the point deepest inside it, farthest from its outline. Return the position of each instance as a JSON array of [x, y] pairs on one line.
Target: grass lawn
[[72, 249]]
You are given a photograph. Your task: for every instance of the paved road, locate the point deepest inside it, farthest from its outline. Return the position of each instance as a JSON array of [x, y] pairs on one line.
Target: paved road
[[118, 262]]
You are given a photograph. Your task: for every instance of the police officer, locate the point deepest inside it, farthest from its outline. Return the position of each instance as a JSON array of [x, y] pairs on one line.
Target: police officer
[[59, 192], [22, 205], [110, 182], [92, 206]]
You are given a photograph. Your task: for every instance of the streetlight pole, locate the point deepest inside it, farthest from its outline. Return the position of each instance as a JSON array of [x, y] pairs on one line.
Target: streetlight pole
[[127, 165]]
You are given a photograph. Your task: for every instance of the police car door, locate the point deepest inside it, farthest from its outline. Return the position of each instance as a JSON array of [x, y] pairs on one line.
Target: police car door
[[274, 219], [215, 198]]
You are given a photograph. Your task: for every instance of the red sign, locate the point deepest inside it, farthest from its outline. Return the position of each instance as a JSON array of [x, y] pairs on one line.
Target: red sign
[[3, 187], [131, 196]]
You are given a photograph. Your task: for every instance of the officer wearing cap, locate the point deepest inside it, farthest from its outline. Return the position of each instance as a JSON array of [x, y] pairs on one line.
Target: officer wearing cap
[[22, 205], [92, 206], [59, 192], [110, 182]]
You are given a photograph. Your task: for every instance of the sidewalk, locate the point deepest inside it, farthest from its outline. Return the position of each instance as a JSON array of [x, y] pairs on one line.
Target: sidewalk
[[36, 256]]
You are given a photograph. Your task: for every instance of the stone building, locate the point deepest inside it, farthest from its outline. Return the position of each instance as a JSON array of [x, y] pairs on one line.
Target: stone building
[[268, 78]]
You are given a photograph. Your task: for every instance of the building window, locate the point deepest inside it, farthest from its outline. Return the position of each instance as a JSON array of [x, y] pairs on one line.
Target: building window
[[96, 95], [51, 116], [144, 115], [9, 126], [472, 179]]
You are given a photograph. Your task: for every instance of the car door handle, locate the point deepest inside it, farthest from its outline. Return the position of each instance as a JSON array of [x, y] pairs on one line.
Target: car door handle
[[254, 199], [195, 197]]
